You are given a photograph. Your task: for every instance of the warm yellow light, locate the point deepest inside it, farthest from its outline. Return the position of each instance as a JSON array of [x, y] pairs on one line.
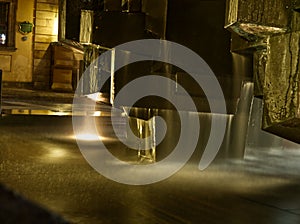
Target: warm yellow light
[[55, 25], [60, 113], [87, 137], [56, 153], [94, 96], [97, 114]]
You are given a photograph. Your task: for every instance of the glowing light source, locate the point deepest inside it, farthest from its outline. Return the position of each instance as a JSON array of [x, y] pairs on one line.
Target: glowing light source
[[97, 113], [57, 153], [55, 25], [94, 96], [2, 38], [87, 137]]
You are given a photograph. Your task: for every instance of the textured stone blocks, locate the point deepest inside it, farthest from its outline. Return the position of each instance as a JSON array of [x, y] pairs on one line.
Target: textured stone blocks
[[281, 89], [258, 18]]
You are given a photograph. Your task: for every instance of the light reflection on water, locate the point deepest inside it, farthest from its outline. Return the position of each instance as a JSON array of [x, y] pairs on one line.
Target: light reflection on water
[[267, 153], [146, 141]]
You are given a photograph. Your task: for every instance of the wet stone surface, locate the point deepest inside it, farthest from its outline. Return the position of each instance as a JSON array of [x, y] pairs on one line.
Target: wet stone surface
[[40, 159]]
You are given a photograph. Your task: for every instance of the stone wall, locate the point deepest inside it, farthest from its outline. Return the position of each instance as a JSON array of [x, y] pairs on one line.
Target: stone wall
[[272, 37]]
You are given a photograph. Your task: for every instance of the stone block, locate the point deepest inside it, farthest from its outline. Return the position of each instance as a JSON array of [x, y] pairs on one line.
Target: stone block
[[258, 18], [281, 89], [240, 45], [259, 68]]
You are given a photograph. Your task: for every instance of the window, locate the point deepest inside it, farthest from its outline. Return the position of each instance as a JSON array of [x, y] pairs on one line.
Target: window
[[4, 9], [7, 23], [73, 14]]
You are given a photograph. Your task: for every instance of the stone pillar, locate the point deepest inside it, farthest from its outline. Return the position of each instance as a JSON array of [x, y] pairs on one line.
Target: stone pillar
[[269, 30], [281, 89]]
